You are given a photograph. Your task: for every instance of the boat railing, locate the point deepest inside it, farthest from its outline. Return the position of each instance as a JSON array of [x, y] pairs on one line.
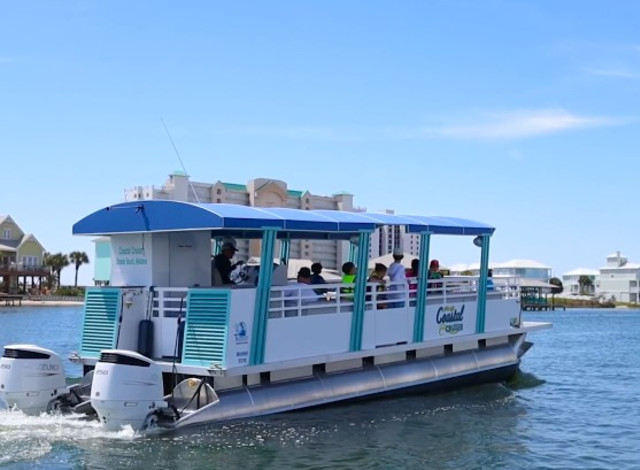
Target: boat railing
[[169, 302]]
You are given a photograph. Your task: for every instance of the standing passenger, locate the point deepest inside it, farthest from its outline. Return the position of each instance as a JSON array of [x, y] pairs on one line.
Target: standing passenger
[[397, 278]]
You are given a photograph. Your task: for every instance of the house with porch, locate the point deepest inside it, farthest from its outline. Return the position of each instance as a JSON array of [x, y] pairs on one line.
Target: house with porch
[[21, 256]]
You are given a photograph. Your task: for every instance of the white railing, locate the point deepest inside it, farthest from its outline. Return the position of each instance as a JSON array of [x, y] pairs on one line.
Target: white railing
[[169, 302]]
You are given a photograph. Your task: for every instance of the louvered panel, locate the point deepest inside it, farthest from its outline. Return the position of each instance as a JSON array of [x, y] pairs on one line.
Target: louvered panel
[[100, 325], [206, 327]]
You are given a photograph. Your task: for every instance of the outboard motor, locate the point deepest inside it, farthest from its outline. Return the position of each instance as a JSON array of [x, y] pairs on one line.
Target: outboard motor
[[30, 377], [127, 387]]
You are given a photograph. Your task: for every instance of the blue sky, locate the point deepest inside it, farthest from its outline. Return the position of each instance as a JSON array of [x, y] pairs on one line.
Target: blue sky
[[522, 114]]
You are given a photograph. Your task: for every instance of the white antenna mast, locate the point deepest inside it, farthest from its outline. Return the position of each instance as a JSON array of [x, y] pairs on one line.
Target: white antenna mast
[[180, 160]]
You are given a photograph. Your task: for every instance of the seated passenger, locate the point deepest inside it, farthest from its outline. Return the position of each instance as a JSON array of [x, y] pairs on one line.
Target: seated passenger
[[490, 286], [316, 277], [222, 263], [434, 273], [299, 289], [348, 277], [412, 275], [378, 277]]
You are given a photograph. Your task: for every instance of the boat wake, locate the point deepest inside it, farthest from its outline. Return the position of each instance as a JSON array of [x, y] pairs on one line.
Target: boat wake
[[27, 438]]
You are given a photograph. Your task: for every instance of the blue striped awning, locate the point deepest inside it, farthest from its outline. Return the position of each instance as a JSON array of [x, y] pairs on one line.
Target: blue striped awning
[[165, 216]]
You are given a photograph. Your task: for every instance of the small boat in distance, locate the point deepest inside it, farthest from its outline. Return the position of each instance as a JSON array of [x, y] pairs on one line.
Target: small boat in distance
[[164, 346]]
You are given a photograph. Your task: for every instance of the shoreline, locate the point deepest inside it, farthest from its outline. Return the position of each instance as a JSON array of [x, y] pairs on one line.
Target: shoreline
[[50, 303]]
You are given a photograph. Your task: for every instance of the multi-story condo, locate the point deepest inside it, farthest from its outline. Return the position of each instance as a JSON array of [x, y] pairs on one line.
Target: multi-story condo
[[260, 192], [386, 239], [619, 279], [21, 256]]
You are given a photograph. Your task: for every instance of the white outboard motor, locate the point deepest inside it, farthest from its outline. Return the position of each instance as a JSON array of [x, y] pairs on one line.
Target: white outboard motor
[[126, 388], [30, 377]]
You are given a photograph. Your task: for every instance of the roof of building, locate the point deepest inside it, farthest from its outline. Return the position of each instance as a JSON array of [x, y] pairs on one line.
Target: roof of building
[[582, 272], [248, 222], [235, 187], [388, 259], [526, 282], [624, 266], [521, 264]]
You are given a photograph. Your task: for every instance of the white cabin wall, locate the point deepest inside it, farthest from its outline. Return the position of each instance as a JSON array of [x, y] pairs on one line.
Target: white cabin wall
[[189, 259], [131, 256]]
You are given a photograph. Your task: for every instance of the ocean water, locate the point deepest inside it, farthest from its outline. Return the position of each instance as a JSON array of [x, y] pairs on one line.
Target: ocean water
[[572, 406]]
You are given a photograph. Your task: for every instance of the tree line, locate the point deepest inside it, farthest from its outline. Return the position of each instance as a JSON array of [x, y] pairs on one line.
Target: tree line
[[56, 262]]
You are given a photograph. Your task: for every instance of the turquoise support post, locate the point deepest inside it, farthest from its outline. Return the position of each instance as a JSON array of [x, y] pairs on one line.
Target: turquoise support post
[[482, 284], [285, 250], [217, 247], [357, 320], [261, 309], [421, 293], [353, 252]]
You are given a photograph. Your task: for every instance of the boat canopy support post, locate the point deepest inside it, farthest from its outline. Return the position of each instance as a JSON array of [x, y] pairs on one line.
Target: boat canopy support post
[[357, 318], [261, 309], [421, 292], [353, 251], [285, 250], [482, 283]]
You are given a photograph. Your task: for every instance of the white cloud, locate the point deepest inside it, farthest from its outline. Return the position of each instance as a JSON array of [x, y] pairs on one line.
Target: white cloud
[[520, 124]]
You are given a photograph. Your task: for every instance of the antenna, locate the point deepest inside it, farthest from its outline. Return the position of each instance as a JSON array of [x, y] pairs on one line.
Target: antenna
[[180, 160]]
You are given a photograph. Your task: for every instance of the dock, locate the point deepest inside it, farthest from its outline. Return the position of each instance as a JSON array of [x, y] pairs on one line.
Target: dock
[[11, 300]]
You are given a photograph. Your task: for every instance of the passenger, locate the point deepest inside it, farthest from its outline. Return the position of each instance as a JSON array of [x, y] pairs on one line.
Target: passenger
[[299, 289], [316, 277], [490, 286], [412, 276], [348, 277], [397, 278], [378, 277], [434, 273], [222, 262]]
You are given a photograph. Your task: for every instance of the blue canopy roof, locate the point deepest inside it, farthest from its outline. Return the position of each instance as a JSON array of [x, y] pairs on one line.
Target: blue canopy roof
[[248, 222]]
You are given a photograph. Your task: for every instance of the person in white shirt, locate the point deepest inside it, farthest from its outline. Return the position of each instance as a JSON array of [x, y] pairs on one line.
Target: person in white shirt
[[397, 279]]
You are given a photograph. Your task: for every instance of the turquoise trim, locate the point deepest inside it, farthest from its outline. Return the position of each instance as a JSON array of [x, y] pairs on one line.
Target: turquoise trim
[[261, 309], [357, 319], [353, 252], [482, 285], [285, 250], [206, 327], [102, 307], [421, 292]]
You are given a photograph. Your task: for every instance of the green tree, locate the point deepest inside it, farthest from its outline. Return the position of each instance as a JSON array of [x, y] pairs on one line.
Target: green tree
[[56, 263], [558, 285], [78, 258], [585, 283]]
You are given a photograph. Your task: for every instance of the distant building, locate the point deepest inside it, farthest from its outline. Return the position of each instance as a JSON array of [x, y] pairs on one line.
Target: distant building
[[523, 268], [571, 281], [260, 192], [619, 279], [21, 256], [386, 239]]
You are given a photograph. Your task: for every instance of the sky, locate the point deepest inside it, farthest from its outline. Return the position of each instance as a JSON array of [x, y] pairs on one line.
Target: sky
[[521, 114]]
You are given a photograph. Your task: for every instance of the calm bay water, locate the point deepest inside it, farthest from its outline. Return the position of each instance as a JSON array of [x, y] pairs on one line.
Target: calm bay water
[[573, 405]]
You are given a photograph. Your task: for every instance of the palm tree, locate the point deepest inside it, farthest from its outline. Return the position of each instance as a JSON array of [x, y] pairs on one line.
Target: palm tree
[[56, 264], [78, 258], [585, 283]]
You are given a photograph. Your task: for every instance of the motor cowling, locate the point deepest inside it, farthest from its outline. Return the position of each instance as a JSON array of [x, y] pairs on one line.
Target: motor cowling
[[126, 388], [30, 377]]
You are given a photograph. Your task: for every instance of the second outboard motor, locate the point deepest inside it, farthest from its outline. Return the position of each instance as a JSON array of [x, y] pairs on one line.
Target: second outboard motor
[[30, 377], [126, 388]]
